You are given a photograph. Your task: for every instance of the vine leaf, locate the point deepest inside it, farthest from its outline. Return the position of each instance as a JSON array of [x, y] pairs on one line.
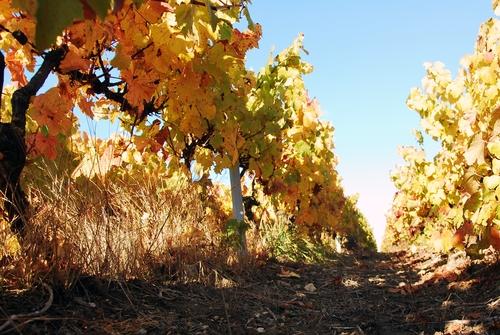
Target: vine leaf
[[100, 7], [475, 153], [53, 16]]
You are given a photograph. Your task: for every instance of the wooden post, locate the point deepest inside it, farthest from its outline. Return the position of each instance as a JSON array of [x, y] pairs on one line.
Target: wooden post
[[237, 199]]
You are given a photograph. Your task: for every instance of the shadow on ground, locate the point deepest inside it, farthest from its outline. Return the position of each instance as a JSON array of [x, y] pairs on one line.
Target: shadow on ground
[[398, 293]]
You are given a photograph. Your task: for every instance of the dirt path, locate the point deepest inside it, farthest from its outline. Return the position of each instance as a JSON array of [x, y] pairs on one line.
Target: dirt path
[[353, 294]]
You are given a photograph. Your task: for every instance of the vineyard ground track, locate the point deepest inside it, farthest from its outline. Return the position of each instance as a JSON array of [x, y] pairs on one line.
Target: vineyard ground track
[[376, 293]]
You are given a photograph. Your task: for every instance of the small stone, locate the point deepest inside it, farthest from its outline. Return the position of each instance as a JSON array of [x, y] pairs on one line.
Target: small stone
[[261, 330], [310, 287]]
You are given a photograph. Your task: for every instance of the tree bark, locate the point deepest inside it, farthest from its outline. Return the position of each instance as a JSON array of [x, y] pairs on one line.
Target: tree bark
[[13, 141]]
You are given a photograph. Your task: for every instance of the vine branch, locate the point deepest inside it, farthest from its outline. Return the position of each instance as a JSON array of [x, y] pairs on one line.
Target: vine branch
[[21, 97]]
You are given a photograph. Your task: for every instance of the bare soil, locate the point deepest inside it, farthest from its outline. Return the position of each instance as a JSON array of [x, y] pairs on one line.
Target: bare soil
[[358, 293]]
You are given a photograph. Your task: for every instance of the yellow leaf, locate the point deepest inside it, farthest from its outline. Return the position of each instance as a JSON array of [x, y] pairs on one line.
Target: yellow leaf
[[495, 164], [12, 245], [475, 152], [121, 59], [447, 240], [309, 120], [494, 148], [491, 182], [160, 33], [208, 111], [496, 7]]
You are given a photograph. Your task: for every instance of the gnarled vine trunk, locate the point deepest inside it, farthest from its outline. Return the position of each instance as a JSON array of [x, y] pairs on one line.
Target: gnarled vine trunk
[[13, 139], [13, 159]]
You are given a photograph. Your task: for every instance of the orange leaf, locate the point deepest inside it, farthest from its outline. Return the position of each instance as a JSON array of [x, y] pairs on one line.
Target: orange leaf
[[52, 110], [16, 68], [140, 86], [495, 238], [86, 107], [74, 61], [242, 42], [43, 145]]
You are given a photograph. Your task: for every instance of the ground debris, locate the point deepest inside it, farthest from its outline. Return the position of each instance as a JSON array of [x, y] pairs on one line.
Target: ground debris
[[403, 293]]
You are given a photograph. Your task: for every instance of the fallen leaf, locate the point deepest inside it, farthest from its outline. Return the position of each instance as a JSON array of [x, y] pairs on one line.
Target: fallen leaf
[[288, 274]]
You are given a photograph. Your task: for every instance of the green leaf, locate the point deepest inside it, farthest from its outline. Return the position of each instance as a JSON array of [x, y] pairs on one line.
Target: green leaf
[[216, 141], [293, 178], [184, 16], [234, 232], [225, 31], [53, 16], [211, 15], [303, 148], [235, 227], [272, 128], [267, 170], [44, 130], [419, 136], [251, 24], [100, 7], [121, 60]]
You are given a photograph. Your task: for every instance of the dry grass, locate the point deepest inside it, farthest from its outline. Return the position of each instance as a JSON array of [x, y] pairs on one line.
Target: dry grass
[[134, 227]]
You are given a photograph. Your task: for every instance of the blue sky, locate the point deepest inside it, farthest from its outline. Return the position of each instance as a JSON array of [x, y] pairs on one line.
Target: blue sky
[[367, 55]]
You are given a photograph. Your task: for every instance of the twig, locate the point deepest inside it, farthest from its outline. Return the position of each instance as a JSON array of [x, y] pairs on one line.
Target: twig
[[343, 328], [361, 332], [100, 87], [214, 7], [127, 296], [447, 322], [272, 314], [14, 317], [493, 303], [21, 38], [227, 314], [138, 52], [105, 71]]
